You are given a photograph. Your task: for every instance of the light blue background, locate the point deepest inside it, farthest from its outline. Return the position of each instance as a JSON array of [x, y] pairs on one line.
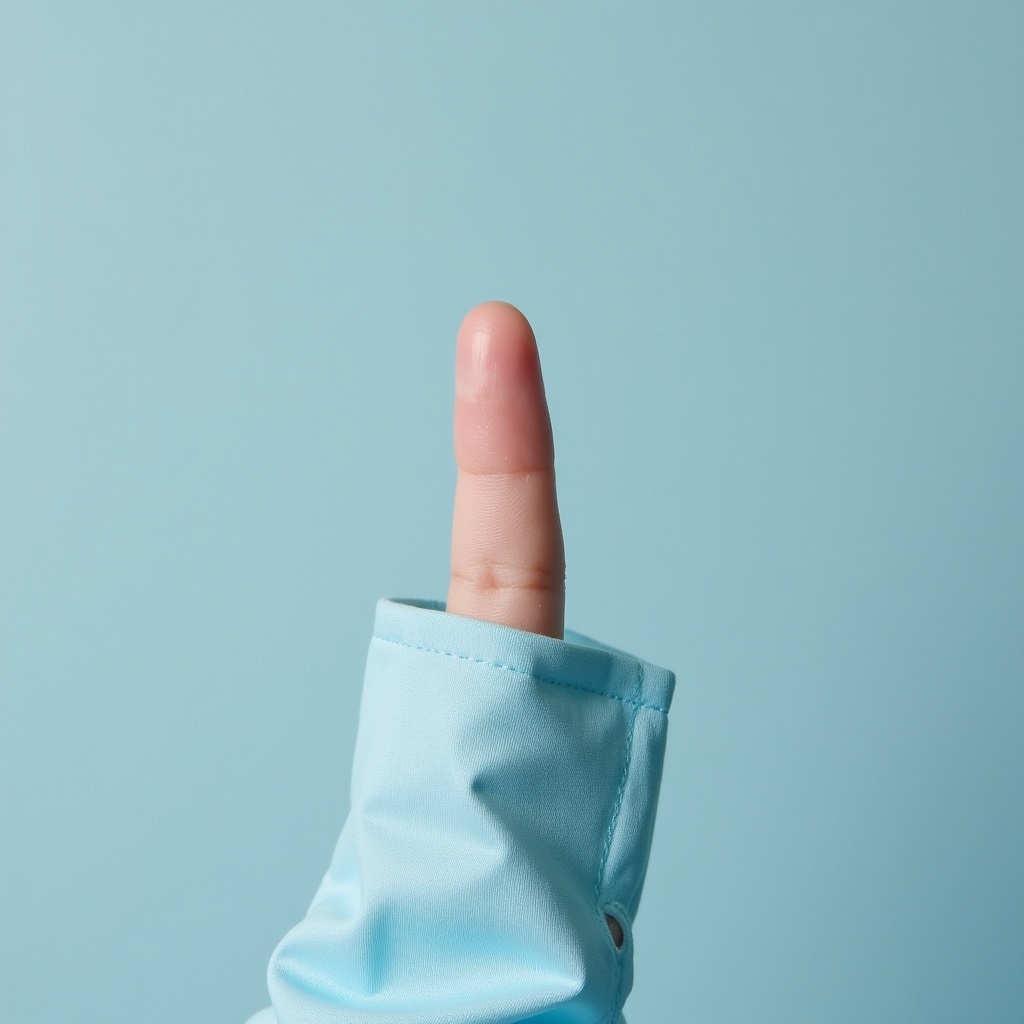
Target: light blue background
[[774, 255]]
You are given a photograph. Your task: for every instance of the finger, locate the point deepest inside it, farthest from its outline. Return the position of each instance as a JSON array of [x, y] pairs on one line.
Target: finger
[[508, 562]]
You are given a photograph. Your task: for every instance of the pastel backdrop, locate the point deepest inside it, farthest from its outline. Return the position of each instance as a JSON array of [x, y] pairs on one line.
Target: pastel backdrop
[[774, 254]]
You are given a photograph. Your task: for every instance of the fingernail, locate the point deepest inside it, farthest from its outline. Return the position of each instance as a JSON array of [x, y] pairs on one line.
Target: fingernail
[[474, 367]]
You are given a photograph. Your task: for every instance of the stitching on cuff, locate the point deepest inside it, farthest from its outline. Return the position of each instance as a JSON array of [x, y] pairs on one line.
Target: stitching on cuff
[[627, 758], [630, 701], [627, 761]]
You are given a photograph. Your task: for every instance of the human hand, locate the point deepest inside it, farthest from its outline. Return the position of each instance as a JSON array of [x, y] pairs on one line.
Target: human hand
[[508, 560]]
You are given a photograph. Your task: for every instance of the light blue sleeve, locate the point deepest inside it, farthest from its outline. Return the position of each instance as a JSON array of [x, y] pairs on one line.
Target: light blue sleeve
[[503, 800]]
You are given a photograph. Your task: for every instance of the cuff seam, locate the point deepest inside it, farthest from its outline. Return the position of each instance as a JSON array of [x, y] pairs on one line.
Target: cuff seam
[[627, 761], [630, 701]]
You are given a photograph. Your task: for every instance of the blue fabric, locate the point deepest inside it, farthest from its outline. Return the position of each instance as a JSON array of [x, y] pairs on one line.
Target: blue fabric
[[503, 801]]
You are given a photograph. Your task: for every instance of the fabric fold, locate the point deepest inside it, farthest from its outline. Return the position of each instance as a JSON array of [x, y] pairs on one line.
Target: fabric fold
[[503, 800]]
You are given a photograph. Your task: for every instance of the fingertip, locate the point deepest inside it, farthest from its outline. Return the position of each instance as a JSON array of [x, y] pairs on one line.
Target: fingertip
[[496, 315], [501, 416], [496, 346]]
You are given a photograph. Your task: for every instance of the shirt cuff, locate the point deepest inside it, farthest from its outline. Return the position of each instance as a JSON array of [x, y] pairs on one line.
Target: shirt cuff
[[503, 802]]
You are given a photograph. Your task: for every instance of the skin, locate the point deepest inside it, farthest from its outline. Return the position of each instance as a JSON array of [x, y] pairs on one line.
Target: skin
[[508, 557]]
